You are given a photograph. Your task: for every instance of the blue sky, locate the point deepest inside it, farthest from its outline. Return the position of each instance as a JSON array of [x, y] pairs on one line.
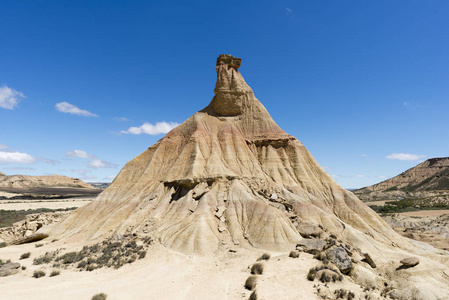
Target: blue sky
[[363, 84]]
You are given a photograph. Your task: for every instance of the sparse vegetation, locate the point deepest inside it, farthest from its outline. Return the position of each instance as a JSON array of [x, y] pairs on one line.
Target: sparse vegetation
[[409, 204], [54, 273], [257, 269], [25, 255], [324, 274], [294, 254], [44, 259], [109, 253], [9, 217], [3, 244], [38, 245], [264, 256], [101, 296], [250, 283], [38, 274], [344, 294], [253, 296]]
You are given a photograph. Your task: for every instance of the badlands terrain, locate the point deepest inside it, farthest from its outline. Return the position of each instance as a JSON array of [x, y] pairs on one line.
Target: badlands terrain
[[226, 206]]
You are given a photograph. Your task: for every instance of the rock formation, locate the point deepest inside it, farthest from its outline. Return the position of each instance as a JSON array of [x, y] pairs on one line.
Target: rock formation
[[26, 181], [431, 175], [228, 174]]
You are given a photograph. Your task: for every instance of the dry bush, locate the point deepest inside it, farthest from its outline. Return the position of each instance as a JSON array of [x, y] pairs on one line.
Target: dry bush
[[257, 269], [101, 296], [25, 255], [294, 254], [250, 283], [264, 256], [54, 273], [325, 273], [38, 245], [253, 296], [38, 274]]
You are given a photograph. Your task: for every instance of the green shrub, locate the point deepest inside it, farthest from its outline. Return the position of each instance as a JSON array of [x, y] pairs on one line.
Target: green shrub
[[38, 274], [257, 269], [3, 245], [25, 255], [100, 296]]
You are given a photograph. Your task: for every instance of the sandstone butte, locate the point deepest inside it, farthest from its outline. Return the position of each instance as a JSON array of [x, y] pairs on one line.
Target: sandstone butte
[[229, 176]]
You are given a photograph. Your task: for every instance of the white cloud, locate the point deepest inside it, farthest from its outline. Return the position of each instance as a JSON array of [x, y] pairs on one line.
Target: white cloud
[[9, 98], [404, 156], [16, 157], [97, 163], [147, 128], [66, 107], [288, 10], [110, 177], [78, 153], [4, 146], [121, 119], [335, 176], [20, 168], [360, 176], [364, 155], [381, 177]]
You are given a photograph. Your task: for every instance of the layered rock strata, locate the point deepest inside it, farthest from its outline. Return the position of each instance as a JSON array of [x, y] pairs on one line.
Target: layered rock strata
[[227, 175]]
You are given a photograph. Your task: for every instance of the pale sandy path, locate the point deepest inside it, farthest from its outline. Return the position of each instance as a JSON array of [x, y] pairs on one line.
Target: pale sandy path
[[44, 203], [163, 274], [425, 213]]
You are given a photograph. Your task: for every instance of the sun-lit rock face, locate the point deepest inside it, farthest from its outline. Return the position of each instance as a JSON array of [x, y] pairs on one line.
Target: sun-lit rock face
[[228, 175]]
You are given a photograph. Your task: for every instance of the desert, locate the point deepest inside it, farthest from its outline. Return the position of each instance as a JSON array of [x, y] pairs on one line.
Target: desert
[[225, 200], [258, 150]]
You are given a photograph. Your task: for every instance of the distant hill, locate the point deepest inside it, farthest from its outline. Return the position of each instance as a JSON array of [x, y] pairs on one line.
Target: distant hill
[[431, 175], [27, 181]]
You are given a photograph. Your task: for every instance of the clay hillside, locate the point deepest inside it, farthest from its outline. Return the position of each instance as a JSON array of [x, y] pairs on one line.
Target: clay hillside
[[27, 181], [228, 174], [431, 175]]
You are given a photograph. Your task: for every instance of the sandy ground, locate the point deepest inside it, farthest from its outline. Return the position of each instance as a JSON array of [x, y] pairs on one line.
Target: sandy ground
[[425, 213], [162, 274], [43, 203]]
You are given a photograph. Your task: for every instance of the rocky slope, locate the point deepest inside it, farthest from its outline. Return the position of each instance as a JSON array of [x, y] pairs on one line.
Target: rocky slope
[[431, 175], [25, 181]]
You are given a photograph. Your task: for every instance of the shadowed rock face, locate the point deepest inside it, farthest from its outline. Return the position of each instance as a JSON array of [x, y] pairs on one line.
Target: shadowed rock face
[[212, 180]]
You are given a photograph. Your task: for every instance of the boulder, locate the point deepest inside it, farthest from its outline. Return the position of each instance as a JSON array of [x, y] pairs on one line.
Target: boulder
[[9, 269], [308, 229], [311, 245], [410, 262], [340, 258], [28, 239]]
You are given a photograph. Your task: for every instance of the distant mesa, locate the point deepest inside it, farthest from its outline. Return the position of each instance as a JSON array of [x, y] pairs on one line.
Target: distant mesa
[[431, 175], [228, 175], [27, 181]]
